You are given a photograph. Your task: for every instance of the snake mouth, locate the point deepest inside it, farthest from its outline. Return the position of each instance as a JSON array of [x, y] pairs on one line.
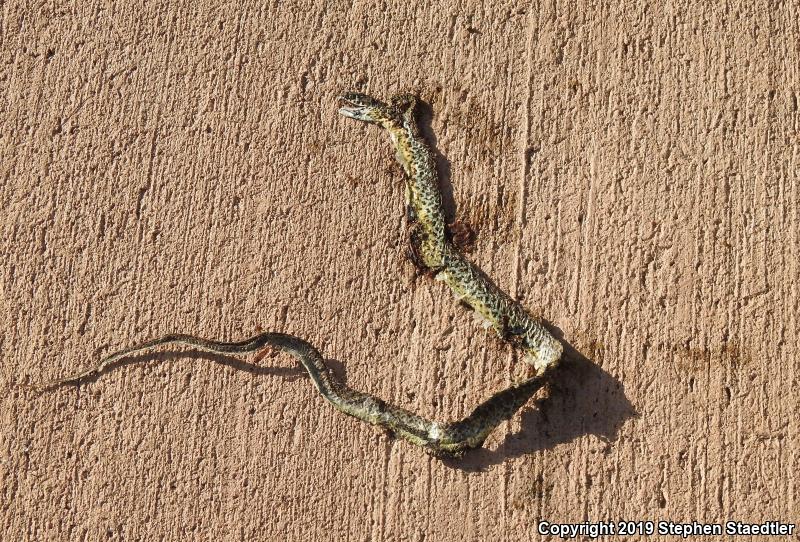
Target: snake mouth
[[359, 106], [352, 112]]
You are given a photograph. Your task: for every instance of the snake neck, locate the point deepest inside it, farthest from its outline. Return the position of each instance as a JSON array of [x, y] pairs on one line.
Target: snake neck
[[422, 193]]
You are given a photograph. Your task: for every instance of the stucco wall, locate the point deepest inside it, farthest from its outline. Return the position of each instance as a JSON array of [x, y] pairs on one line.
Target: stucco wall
[[631, 174]]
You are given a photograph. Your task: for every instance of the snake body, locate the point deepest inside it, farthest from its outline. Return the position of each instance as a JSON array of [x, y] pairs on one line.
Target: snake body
[[429, 238], [439, 439], [436, 253]]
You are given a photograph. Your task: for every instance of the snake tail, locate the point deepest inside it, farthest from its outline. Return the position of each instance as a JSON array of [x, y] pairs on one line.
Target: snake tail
[[439, 439]]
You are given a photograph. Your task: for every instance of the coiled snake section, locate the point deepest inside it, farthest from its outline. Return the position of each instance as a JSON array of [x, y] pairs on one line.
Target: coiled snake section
[[432, 250]]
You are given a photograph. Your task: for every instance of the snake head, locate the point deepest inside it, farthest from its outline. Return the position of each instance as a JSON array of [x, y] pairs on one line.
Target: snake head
[[362, 107]]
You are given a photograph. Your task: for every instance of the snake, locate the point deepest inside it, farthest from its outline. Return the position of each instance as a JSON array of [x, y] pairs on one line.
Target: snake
[[433, 250]]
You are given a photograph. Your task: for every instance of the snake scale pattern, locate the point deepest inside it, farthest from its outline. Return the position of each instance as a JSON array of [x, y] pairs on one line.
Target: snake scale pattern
[[431, 249]]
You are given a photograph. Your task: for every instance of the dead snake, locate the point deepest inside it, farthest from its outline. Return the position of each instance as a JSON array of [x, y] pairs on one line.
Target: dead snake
[[434, 251]]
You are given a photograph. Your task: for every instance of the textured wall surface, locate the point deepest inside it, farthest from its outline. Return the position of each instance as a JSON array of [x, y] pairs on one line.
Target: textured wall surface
[[631, 175]]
